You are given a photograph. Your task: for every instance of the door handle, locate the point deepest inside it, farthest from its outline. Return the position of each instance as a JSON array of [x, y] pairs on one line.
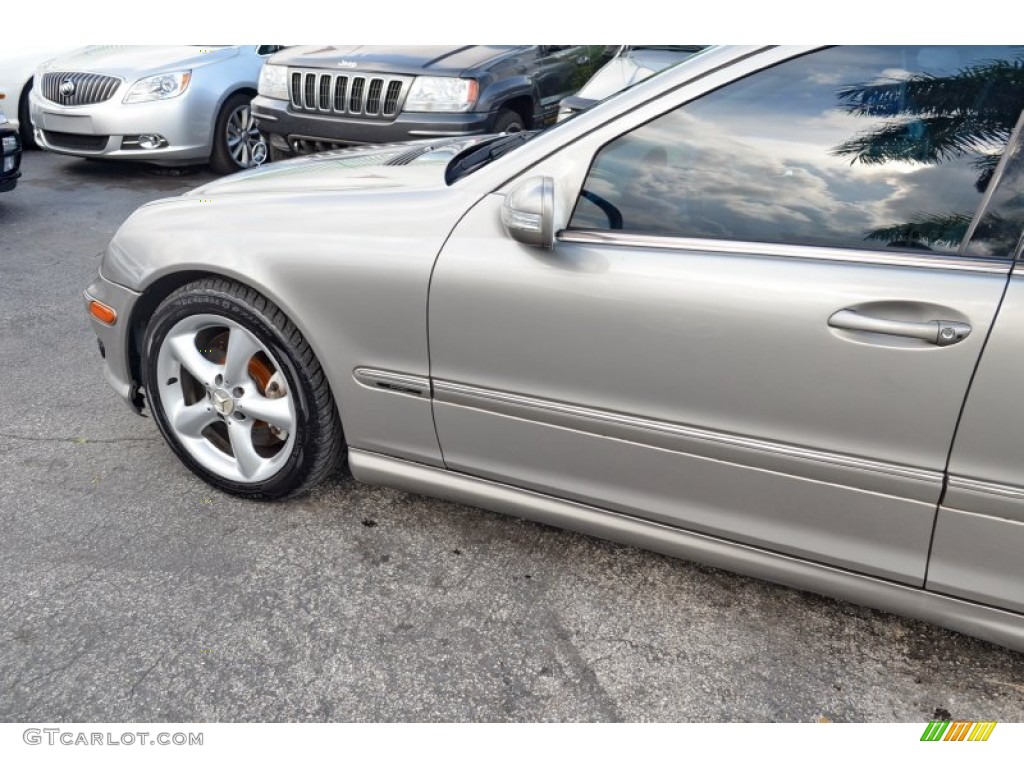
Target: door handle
[[942, 333]]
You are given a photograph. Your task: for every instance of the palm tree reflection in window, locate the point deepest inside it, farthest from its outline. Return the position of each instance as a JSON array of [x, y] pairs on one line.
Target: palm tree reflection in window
[[935, 119]]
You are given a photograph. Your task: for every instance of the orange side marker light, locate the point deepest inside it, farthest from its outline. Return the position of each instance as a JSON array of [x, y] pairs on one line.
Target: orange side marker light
[[102, 312]]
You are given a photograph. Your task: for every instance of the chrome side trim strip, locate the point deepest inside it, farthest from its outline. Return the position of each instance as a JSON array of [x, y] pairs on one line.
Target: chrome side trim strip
[[509, 404], [981, 486], [995, 625], [983, 497], [392, 382], [956, 263]]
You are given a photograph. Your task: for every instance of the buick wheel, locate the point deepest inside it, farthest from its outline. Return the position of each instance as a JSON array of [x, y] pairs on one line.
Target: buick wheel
[[238, 143], [238, 394]]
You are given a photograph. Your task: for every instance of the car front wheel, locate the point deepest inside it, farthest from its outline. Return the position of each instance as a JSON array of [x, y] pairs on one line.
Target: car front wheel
[[237, 141], [508, 121], [237, 392]]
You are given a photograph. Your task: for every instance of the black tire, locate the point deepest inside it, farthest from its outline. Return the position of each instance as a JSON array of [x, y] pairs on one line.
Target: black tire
[[318, 442], [509, 121], [222, 158], [28, 139]]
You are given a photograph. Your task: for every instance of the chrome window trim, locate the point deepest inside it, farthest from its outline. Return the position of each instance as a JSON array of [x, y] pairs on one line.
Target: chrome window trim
[[469, 396], [784, 250]]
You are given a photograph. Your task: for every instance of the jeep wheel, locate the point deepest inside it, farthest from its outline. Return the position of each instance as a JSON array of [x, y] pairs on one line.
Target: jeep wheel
[[509, 121]]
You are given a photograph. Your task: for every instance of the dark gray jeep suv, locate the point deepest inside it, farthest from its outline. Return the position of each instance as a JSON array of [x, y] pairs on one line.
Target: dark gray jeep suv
[[313, 98]]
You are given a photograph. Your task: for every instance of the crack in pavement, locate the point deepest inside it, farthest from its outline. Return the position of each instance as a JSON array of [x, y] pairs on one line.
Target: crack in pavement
[[79, 440]]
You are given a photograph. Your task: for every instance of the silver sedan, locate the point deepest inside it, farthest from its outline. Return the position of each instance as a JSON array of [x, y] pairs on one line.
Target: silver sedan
[[760, 311], [168, 105]]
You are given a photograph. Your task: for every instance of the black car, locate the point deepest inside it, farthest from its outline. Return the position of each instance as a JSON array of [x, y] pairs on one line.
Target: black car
[[313, 98], [10, 155]]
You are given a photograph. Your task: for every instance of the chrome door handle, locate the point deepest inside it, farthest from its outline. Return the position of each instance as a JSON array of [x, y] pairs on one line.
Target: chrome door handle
[[942, 333]]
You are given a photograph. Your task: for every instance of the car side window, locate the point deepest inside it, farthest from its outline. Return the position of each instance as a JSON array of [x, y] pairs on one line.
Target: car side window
[[880, 147], [266, 50]]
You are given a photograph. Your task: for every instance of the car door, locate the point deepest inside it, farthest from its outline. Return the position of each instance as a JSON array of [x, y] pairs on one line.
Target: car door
[[979, 534], [761, 317]]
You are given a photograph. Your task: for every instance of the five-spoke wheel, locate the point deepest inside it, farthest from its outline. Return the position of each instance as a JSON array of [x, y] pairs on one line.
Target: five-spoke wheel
[[225, 398], [233, 397]]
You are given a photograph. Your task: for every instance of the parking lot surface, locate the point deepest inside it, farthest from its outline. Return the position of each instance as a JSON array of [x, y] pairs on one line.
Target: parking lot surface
[[131, 591]]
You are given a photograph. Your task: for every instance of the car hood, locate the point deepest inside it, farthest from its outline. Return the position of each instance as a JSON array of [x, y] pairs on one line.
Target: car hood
[[140, 60], [391, 59], [407, 164], [634, 65]]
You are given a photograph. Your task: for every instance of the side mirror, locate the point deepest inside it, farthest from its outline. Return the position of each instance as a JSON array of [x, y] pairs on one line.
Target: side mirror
[[528, 212]]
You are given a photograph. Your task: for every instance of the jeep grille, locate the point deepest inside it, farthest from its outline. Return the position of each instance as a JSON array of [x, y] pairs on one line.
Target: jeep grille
[[370, 96]]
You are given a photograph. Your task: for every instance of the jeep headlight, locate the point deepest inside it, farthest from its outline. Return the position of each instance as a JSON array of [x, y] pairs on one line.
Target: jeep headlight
[[274, 82], [165, 86], [441, 94]]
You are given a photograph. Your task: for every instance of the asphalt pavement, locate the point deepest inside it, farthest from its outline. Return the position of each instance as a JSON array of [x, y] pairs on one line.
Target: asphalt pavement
[[132, 591]]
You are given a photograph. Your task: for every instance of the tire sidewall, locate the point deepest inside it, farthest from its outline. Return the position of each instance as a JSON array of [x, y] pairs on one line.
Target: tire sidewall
[[220, 156], [179, 307], [28, 139], [509, 117]]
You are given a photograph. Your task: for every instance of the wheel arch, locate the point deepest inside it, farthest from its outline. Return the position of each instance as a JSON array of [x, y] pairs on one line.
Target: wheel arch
[[25, 90], [228, 93], [24, 115], [155, 292], [523, 106]]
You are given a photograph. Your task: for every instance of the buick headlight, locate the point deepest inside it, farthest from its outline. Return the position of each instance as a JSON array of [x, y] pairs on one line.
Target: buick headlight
[[441, 94], [165, 86], [274, 82]]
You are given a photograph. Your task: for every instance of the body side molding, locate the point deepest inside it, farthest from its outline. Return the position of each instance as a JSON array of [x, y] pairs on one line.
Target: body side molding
[[904, 481], [391, 381]]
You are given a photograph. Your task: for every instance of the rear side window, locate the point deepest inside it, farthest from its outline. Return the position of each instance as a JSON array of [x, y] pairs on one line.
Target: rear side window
[[883, 147]]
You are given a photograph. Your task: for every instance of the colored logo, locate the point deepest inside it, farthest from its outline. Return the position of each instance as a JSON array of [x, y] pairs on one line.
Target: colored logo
[[959, 730]]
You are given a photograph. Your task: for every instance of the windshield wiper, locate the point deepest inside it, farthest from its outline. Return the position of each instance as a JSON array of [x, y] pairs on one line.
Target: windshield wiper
[[478, 155]]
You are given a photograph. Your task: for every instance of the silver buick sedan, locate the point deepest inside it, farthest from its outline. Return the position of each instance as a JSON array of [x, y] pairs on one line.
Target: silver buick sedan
[[761, 311], [167, 105]]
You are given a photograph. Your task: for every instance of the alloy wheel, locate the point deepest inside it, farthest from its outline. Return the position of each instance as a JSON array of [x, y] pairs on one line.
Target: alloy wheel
[[226, 398], [245, 143]]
